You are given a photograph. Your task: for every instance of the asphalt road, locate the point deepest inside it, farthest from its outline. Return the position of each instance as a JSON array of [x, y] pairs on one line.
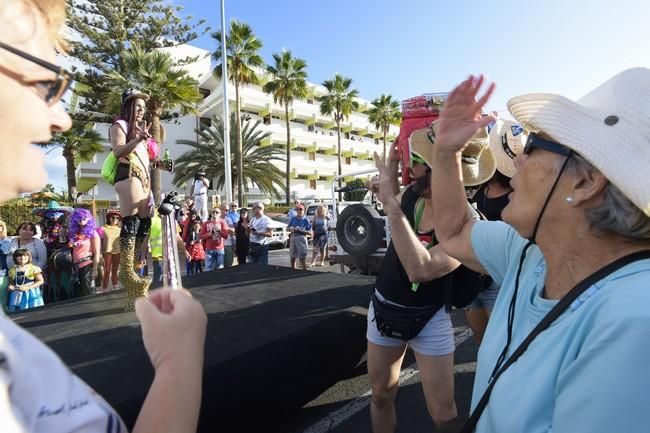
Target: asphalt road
[[344, 408]]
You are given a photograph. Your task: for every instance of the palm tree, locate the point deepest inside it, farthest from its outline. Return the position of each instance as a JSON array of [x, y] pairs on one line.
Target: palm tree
[[79, 143], [339, 102], [169, 86], [289, 82], [242, 55], [385, 112], [207, 155]]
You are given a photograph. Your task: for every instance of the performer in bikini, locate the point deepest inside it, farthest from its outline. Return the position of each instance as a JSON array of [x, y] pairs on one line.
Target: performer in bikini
[[137, 152]]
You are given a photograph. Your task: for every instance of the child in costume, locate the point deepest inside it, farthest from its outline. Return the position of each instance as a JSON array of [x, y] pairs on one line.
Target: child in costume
[[25, 281], [85, 245]]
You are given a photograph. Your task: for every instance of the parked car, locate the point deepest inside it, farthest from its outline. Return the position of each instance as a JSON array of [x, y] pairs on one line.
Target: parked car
[[279, 234]]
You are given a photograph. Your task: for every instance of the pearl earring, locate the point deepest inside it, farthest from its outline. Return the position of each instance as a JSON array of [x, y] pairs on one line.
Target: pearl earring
[[569, 199]]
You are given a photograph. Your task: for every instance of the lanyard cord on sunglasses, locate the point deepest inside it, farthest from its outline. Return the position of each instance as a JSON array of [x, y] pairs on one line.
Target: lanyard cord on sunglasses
[[522, 257]]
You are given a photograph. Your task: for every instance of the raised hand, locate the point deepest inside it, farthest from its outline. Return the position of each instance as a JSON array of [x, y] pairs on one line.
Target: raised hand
[[462, 114], [382, 184]]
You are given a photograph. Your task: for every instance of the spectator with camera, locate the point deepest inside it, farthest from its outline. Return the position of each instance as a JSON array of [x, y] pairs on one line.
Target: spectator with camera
[[299, 227], [213, 232], [260, 234]]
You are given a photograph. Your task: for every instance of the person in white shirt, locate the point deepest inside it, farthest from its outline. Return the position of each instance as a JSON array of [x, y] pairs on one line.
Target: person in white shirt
[[200, 192], [38, 393], [260, 235]]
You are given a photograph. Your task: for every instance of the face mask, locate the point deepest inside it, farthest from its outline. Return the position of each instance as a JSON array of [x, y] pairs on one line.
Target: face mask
[[54, 215]]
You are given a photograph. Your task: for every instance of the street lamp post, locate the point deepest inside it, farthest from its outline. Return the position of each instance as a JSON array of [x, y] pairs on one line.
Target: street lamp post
[[226, 117]]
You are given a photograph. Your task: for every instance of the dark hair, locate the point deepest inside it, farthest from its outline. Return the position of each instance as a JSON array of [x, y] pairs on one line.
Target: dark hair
[[127, 113], [31, 225], [502, 179], [243, 210], [22, 252]]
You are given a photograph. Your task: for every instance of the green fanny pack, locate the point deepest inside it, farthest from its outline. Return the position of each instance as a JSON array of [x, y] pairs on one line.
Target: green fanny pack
[[109, 168]]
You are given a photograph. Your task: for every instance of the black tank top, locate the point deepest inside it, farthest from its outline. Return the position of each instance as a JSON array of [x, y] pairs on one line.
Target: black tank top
[[490, 207], [393, 282]]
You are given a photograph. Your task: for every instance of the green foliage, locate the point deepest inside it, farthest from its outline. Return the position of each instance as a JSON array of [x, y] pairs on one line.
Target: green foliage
[[169, 86], [288, 82], [17, 211], [242, 53], [79, 143], [156, 74], [355, 195], [242, 60], [385, 112], [276, 209], [207, 155], [340, 103], [340, 98], [105, 29]]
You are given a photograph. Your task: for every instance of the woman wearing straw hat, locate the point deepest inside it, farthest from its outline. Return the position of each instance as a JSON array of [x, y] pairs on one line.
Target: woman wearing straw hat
[[410, 286], [507, 140], [566, 348]]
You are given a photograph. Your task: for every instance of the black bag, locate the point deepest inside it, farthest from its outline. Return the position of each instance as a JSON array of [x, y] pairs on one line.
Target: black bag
[[463, 286], [401, 322], [255, 250]]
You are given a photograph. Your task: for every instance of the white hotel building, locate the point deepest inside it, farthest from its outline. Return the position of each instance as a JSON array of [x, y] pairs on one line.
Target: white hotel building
[[313, 138]]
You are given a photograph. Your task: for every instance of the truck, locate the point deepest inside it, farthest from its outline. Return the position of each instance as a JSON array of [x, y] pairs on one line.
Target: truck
[[359, 232]]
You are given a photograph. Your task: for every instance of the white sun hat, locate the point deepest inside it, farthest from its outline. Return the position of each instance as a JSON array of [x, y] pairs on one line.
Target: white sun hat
[[609, 127], [507, 140]]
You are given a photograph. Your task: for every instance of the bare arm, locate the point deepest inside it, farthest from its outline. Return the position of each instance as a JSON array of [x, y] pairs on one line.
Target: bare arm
[[118, 142], [96, 247], [458, 122], [420, 264]]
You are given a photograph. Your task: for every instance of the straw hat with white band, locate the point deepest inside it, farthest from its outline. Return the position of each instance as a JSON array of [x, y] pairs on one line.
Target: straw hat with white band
[[507, 140], [478, 162], [609, 127]]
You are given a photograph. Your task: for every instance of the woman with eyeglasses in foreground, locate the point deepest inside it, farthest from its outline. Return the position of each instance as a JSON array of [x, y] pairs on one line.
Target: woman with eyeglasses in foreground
[[572, 259], [34, 382]]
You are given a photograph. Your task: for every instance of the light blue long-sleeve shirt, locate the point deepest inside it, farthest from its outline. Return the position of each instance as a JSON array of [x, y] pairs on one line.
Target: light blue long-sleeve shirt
[[588, 372]]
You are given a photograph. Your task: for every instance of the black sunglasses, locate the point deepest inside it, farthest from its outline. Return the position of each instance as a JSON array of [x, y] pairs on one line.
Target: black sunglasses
[[50, 91], [535, 142]]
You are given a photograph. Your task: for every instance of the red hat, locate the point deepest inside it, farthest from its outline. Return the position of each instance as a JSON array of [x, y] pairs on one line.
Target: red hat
[[113, 211]]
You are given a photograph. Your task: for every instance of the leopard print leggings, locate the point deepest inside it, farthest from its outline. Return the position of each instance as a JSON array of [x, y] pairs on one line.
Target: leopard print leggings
[[136, 286]]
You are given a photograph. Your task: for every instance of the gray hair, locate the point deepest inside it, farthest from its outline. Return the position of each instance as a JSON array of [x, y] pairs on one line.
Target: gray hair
[[617, 214]]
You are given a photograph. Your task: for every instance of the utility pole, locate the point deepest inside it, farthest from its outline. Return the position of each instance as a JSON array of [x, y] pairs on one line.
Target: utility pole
[[226, 117]]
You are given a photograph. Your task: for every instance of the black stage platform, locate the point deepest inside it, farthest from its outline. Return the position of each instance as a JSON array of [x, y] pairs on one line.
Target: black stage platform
[[276, 339]]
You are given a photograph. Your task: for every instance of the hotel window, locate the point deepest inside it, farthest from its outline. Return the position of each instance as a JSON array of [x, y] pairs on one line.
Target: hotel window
[[312, 156], [267, 119], [348, 160], [376, 141], [310, 101], [204, 92], [312, 184], [206, 122], [347, 135], [310, 128]]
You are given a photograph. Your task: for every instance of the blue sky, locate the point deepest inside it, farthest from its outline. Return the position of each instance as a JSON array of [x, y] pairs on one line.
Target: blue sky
[[409, 47]]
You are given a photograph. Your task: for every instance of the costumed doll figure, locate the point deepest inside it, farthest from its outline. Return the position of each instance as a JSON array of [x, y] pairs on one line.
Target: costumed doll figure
[[59, 257], [86, 251], [137, 153]]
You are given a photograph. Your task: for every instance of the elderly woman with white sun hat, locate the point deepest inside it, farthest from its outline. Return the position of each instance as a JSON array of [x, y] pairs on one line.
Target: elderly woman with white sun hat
[[566, 348]]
